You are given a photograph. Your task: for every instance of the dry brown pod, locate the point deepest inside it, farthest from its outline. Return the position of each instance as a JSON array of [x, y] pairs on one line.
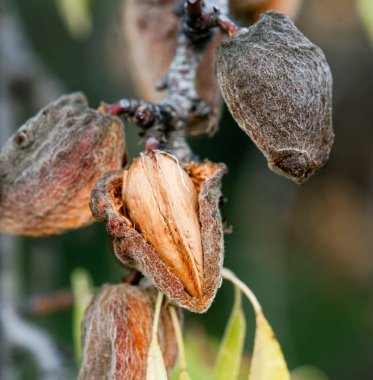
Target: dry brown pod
[[117, 330], [151, 29], [167, 225], [278, 87], [50, 165]]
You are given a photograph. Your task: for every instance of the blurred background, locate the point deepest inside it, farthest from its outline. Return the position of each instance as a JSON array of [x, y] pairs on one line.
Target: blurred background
[[307, 252]]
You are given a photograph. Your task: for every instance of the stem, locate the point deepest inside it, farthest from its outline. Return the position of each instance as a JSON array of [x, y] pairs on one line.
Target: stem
[[194, 9], [164, 125], [237, 296], [179, 338], [230, 276], [157, 314], [227, 25]]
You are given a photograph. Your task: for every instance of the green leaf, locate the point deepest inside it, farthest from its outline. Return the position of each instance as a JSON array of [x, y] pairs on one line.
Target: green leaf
[[81, 284], [267, 361], [230, 352], [76, 16], [156, 369]]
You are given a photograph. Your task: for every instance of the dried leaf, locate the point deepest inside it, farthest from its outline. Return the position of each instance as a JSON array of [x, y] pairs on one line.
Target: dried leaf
[[231, 347]]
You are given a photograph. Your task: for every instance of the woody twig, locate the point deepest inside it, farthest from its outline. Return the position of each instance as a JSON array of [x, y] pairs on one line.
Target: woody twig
[[164, 125]]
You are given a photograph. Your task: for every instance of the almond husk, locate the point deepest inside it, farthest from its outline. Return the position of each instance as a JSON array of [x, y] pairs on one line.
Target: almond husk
[[49, 167], [117, 331], [277, 85], [193, 280]]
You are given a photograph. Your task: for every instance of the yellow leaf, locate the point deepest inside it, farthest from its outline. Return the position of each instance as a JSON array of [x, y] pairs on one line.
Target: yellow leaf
[[184, 376], [156, 369], [365, 11], [76, 16], [267, 362], [81, 284]]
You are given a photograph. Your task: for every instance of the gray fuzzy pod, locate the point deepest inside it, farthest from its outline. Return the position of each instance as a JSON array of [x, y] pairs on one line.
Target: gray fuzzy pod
[[278, 87], [49, 167]]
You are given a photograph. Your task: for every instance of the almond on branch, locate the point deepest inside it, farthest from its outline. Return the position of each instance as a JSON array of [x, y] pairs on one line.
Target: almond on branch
[[278, 87], [50, 165], [167, 224], [117, 331], [152, 29]]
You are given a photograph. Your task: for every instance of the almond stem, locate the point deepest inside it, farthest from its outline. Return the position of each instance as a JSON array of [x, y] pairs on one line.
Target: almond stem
[[179, 339], [230, 276], [157, 313]]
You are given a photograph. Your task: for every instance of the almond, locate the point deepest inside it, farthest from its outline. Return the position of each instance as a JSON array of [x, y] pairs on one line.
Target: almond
[[167, 225], [117, 331], [278, 87], [162, 202], [49, 167]]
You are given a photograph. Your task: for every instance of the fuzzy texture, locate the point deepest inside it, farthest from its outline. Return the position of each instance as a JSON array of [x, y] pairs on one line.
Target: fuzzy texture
[[50, 165], [117, 330], [278, 87], [134, 251]]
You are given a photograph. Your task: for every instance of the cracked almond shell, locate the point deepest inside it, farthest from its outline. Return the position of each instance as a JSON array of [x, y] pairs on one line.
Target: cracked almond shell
[[278, 87], [50, 165], [117, 331], [185, 263]]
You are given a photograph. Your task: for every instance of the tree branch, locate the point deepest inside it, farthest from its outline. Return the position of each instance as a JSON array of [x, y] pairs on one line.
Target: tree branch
[[164, 124]]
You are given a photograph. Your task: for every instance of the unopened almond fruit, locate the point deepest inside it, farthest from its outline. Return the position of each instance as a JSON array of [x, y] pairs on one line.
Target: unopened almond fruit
[[117, 331], [278, 87], [49, 167]]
